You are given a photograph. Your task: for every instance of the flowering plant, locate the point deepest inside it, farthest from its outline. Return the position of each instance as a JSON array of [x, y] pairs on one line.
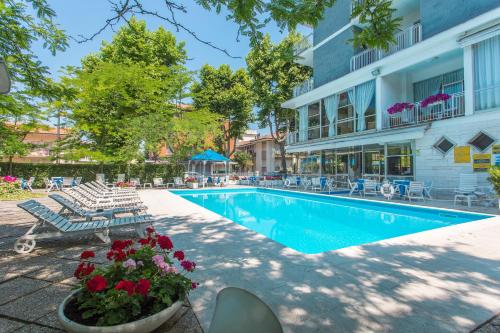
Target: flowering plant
[[400, 107], [191, 180], [9, 186], [9, 179], [144, 278], [434, 99], [124, 184]]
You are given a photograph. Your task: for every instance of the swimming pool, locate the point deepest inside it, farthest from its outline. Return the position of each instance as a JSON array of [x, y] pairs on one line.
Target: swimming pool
[[312, 223]]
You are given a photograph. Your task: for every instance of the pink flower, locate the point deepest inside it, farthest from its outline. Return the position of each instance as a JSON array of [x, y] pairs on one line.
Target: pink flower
[[130, 264], [188, 265]]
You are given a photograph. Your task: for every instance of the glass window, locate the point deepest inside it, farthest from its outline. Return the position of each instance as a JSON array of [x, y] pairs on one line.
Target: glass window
[[309, 164], [370, 116], [342, 163], [329, 162], [345, 115], [324, 121], [374, 162], [400, 160], [313, 121]]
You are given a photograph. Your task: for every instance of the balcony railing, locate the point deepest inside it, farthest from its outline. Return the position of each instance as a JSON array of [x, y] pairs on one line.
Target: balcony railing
[[404, 39], [303, 44], [303, 88], [454, 107]]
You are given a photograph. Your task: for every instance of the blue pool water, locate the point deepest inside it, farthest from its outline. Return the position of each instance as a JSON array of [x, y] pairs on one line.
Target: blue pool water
[[313, 223]]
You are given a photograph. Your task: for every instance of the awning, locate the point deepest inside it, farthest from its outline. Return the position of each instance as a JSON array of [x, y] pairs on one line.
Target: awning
[[210, 156], [380, 137]]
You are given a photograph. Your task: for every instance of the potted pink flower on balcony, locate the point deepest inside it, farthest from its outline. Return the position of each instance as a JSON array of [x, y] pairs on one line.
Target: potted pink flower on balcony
[[143, 287], [434, 99]]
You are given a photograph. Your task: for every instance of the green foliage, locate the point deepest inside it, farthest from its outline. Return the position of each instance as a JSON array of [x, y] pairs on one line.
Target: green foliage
[[381, 26], [494, 178], [244, 159], [253, 15], [274, 74], [146, 172], [228, 94], [19, 30], [12, 191]]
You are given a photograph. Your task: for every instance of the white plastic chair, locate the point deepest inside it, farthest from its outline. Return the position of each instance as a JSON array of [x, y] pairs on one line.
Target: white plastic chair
[[29, 183], [316, 184], [353, 187], [467, 188], [100, 178], [370, 187], [415, 191], [158, 182]]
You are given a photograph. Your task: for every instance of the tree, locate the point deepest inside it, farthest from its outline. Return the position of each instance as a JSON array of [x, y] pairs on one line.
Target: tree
[[19, 30], [274, 74], [244, 160], [228, 94], [109, 99]]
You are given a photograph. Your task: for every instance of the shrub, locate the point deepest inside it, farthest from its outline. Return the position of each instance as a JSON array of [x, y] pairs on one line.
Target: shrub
[[494, 178], [146, 172], [144, 277]]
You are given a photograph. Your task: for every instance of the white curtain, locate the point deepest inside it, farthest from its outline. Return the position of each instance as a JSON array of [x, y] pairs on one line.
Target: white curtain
[[331, 105], [361, 98], [487, 73], [303, 123]]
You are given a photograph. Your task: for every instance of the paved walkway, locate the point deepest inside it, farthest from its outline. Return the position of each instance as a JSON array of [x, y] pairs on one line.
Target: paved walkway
[[444, 280], [32, 286]]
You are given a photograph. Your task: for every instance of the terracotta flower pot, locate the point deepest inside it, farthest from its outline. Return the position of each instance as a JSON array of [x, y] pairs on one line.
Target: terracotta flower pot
[[144, 325]]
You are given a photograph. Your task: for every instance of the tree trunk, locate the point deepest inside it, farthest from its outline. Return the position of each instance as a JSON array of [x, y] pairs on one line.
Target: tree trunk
[[283, 156]]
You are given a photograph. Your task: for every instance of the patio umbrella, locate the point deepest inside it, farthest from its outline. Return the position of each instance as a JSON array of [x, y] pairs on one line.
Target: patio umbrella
[[210, 156]]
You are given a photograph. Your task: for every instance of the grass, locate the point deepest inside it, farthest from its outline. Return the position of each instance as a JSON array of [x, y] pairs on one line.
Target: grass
[[20, 195]]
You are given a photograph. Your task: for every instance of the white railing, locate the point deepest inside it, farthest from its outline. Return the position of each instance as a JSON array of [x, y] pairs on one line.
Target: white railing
[[404, 39], [303, 44], [303, 88], [454, 107]]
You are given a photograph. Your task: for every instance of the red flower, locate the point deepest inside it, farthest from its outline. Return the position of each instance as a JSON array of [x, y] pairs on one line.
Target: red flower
[[194, 285], [118, 245], [165, 242], [150, 230], [87, 255], [142, 287], [131, 251], [109, 255], [179, 255], [97, 283], [144, 241], [126, 285], [120, 256], [188, 265], [83, 270]]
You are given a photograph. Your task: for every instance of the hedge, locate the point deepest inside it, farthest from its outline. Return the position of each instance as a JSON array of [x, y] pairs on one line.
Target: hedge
[[145, 172]]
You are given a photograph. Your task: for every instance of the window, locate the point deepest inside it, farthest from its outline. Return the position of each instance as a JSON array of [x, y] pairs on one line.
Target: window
[[264, 155], [324, 121], [374, 161], [370, 116], [328, 161], [400, 160], [345, 115], [444, 145], [486, 58], [481, 141], [314, 121]]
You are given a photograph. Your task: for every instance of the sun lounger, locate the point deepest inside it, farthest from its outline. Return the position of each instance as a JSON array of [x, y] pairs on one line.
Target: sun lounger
[[53, 225], [78, 210]]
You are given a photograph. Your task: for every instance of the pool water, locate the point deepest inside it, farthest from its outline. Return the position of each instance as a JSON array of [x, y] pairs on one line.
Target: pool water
[[312, 223]]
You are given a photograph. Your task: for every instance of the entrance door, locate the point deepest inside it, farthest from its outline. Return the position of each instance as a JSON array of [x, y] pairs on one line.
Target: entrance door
[[355, 165]]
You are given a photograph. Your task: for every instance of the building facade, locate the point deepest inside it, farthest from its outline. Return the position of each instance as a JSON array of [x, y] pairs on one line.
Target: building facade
[[428, 108], [265, 154]]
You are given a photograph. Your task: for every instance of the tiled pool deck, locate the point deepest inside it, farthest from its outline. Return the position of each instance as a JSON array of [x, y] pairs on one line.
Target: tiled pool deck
[[445, 280]]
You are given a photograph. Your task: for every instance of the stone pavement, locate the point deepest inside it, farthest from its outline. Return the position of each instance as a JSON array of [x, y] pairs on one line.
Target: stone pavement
[[33, 285]]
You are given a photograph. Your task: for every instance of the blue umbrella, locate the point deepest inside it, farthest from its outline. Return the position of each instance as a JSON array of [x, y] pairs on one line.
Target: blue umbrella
[[210, 156]]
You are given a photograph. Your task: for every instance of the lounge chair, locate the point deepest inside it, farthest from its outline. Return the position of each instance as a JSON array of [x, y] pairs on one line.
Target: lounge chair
[[100, 177], [59, 226], [178, 182], [467, 189], [78, 181], [135, 182], [369, 187], [238, 310], [158, 182], [415, 191], [94, 203], [87, 214], [49, 184], [316, 184], [27, 184], [120, 178], [428, 189]]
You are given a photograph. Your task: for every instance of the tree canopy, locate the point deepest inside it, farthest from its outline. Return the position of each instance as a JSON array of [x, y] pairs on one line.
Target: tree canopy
[[228, 94], [274, 74]]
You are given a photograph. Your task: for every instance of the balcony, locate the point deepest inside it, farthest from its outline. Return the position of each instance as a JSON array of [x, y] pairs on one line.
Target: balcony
[[452, 108], [304, 44], [303, 88], [404, 39]]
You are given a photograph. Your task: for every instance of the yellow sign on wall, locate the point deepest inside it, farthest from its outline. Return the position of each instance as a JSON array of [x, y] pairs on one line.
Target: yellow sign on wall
[[481, 162], [462, 154], [495, 149]]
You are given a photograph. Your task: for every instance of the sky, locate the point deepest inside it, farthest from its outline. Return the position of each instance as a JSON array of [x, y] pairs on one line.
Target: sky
[[87, 17]]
